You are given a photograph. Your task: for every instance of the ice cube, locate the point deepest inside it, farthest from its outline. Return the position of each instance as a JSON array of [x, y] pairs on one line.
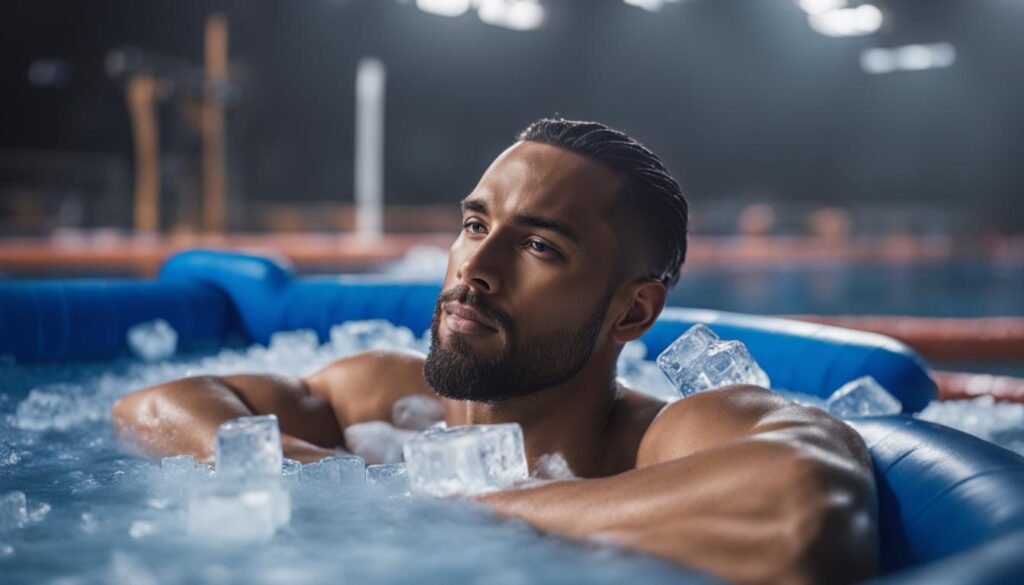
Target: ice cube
[[153, 340], [249, 447], [291, 470], [8, 455], [802, 399], [729, 362], [699, 361], [57, 407], [238, 512], [340, 469], [391, 478], [179, 465], [677, 357], [553, 466], [377, 441], [300, 341], [416, 412], [862, 397], [466, 460], [356, 336], [648, 378], [13, 511]]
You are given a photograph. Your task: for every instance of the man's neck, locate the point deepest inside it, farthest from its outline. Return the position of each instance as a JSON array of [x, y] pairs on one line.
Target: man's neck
[[572, 419]]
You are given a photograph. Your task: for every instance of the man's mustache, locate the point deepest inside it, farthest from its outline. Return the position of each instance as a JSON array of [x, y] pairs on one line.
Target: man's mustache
[[464, 295]]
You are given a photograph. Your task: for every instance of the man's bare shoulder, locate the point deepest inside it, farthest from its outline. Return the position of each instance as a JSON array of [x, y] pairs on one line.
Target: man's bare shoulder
[[364, 386], [708, 419]]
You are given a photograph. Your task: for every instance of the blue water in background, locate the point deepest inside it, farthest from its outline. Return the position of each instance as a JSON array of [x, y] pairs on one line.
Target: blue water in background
[[940, 289]]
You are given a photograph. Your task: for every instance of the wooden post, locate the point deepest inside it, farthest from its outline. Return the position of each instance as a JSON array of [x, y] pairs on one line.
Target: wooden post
[[141, 94], [214, 173]]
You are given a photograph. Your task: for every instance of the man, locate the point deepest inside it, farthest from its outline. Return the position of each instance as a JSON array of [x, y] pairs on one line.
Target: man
[[568, 245]]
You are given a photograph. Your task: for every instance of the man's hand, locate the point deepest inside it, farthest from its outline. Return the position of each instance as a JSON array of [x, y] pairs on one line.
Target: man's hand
[[736, 482]]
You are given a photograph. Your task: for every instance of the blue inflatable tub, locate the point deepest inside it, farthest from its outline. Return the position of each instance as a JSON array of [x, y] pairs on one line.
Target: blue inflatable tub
[[951, 505]]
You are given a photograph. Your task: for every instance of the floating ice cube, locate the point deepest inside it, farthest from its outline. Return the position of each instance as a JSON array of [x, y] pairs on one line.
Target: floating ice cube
[[862, 397], [142, 529], [300, 341], [291, 470], [8, 455], [153, 340], [802, 399], [249, 447], [553, 466], [377, 441], [648, 378], [238, 512], [700, 361], [13, 511], [392, 478], [416, 412], [466, 460], [57, 407], [340, 469], [356, 336], [179, 465]]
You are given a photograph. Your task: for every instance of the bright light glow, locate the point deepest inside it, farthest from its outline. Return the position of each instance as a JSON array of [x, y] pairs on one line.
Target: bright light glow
[[512, 14], [847, 22], [908, 58], [649, 5], [819, 6], [451, 8]]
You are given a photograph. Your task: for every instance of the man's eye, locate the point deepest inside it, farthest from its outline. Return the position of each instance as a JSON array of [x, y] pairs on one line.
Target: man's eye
[[471, 227], [540, 247]]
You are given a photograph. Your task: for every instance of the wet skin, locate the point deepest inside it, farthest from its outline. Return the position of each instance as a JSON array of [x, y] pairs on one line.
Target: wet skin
[[736, 481]]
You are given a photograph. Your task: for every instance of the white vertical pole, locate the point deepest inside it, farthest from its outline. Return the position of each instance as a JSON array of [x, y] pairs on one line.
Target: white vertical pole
[[369, 168]]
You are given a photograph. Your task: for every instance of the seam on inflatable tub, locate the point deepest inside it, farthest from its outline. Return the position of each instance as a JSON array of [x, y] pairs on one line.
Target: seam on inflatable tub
[[912, 450], [936, 497]]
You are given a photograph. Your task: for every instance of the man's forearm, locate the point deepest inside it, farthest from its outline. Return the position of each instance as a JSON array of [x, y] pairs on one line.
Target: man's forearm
[[754, 510], [182, 417]]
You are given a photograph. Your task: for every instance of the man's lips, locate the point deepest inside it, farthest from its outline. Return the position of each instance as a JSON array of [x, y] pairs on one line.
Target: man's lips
[[464, 312]]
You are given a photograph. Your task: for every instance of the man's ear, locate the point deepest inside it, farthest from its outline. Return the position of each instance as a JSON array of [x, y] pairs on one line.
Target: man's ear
[[643, 305]]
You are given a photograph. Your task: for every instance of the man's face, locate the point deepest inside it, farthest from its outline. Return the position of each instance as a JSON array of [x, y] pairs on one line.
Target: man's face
[[528, 281]]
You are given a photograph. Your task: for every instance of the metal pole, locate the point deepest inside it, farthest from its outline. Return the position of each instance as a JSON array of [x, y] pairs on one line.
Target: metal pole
[[369, 164]]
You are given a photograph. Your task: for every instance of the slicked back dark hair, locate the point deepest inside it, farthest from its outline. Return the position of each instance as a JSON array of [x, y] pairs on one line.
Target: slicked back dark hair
[[656, 205]]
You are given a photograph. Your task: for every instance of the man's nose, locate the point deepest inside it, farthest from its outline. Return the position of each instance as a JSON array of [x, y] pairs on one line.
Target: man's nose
[[481, 268]]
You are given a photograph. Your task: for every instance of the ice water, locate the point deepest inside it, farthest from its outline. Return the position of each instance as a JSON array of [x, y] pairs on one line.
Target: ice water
[[466, 460], [228, 510], [862, 397]]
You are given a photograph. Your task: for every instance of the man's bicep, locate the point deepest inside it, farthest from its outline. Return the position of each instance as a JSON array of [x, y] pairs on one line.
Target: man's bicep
[[363, 387], [300, 413]]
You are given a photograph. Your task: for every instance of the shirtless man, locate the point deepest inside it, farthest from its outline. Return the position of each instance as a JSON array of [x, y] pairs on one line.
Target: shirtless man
[[568, 245]]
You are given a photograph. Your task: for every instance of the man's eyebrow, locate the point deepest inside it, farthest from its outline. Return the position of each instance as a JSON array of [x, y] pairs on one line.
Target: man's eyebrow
[[527, 219], [473, 205], [548, 224]]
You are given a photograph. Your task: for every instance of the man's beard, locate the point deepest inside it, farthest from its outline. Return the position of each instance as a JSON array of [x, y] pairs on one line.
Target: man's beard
[[455, 372]]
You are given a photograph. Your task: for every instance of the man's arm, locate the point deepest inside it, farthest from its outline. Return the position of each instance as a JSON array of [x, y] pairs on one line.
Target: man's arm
[[735, 482], [182, 417]]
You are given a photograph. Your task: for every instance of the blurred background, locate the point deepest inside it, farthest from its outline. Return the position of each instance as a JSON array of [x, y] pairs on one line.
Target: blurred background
[[841, 157]]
